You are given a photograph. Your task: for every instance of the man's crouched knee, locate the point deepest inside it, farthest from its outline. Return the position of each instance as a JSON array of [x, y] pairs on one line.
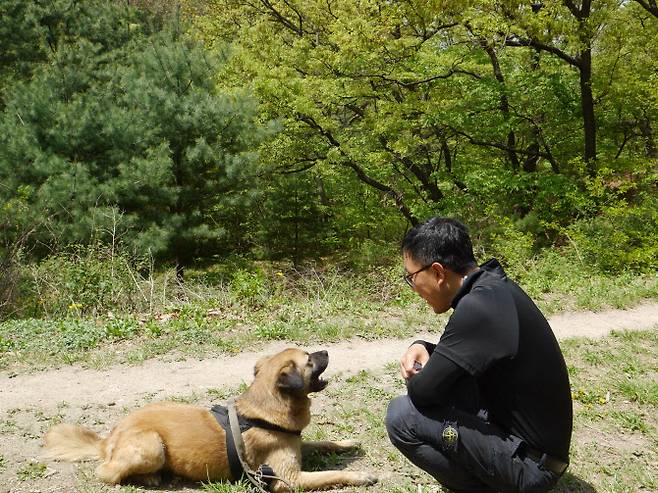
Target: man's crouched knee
[[398, 421]]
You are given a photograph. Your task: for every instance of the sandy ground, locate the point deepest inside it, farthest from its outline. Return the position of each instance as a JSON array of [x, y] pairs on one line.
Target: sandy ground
[[154, 380]]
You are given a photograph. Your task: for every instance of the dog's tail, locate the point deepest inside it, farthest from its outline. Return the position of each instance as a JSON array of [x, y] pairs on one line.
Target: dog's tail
[[71, 443]]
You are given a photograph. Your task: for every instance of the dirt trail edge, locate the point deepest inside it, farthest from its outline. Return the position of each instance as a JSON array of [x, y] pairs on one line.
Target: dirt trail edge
[[129, 385]]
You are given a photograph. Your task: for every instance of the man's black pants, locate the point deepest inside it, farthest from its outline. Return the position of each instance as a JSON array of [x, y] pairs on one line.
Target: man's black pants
[[464, 452]]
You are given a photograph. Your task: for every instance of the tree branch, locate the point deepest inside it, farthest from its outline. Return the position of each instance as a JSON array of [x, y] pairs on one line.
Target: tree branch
[[575, 11], [360, 173], [432, 190], [650, 6], [312, 162], [516, 41], [496, 145], [282, 19]]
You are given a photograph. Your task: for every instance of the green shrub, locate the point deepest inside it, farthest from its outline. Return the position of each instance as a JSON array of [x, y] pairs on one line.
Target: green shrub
[[121, 328], [621, 238], [365, 254], [513, 248], [276, 331], [85, 280], [80, 333], [6, 344], [250, 285]]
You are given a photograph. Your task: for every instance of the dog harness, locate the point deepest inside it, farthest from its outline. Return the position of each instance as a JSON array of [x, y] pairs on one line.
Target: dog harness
[[237, 471]]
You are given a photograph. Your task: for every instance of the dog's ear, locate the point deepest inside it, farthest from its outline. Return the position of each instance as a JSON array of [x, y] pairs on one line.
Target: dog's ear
[[290, 379], [259, 364]]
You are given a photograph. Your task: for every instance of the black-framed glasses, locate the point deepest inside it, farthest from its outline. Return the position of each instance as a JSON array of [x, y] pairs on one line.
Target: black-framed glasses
[[409, 278]]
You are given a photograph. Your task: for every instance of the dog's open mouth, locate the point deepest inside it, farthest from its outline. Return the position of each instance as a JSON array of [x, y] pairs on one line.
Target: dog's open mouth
[[320, 361]]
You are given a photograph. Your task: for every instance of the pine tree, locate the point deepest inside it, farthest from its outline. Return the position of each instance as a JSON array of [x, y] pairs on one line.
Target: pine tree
[[137, 125]]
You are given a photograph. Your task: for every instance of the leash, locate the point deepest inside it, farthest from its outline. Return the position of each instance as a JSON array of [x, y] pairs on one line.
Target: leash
[[259, 477]]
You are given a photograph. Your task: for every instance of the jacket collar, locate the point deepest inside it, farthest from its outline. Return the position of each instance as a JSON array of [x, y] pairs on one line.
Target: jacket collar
[[491, 266]]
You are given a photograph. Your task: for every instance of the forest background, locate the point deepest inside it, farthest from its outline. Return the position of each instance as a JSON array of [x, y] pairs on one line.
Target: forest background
[[150, 146]]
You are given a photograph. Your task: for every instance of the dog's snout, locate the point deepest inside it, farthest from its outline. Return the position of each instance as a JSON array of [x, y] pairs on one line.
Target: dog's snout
[[320, 360], [319, 357]]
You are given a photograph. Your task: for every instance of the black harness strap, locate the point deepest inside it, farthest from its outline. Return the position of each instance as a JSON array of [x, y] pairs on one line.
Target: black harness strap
[[221, 415], [266, 425]]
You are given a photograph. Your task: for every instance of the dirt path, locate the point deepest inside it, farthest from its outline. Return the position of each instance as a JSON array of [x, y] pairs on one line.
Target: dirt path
[[128, 385]]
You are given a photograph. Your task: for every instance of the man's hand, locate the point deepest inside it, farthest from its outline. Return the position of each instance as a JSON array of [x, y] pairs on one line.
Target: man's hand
[[415, 353]]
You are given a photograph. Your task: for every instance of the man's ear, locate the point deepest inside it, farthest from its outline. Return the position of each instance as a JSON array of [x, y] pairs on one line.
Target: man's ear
[[259, 364], [439, 270], [290, 379]]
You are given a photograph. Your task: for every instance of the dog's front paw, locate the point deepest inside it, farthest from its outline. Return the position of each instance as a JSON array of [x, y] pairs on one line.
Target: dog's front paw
[[366, 478], [151, 480], [348, 444]]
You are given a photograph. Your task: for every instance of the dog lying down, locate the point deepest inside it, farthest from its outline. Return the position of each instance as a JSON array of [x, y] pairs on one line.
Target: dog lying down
[[188, 441]]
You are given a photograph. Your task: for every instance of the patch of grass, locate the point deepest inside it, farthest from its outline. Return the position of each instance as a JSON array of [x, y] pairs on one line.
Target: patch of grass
[[411, 488], [607, 469], [614, 443], [596, 358], [559, 283], [3, 462], [630, 421], [8, 426], [588, 397], [223, 393], [184, 399], [643, 390], [194, 328], [360, 378], [277, 331], [32, 470], [326, 461], [226, 487]]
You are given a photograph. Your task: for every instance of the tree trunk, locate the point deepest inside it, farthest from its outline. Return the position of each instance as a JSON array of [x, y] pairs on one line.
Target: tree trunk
[[647, 133], [587, 104], [180, 253], [504, 102], [324, 199], [180, 269]]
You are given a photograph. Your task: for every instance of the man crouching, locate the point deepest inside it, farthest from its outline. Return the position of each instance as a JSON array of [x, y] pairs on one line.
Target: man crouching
[[488, 408]]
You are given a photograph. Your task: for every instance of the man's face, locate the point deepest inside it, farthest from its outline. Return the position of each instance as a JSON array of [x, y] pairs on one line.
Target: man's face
[[437, 285]]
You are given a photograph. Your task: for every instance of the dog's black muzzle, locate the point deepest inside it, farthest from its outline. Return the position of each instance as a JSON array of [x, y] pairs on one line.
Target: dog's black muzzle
[[319, 360]]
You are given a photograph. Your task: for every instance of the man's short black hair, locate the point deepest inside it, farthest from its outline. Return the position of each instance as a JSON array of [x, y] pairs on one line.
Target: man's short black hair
[[443, 240]]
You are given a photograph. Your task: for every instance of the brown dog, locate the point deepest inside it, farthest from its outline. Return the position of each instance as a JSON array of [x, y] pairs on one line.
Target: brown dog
[[188, 441]]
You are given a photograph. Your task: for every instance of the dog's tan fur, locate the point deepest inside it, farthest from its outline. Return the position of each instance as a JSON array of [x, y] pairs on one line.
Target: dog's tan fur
[[187, 440]]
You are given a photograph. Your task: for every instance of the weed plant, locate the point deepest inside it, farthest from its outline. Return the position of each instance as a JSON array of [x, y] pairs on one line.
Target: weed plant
[[32, 470]]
